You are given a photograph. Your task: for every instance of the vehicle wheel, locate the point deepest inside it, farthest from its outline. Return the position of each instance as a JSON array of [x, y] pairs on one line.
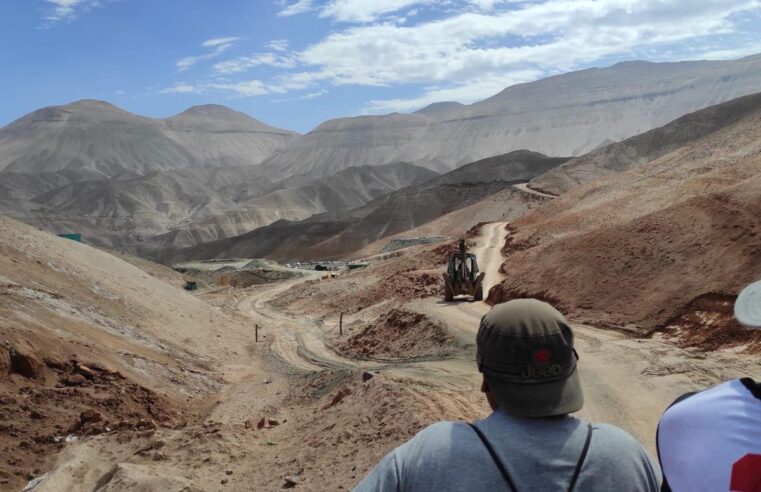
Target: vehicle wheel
[[479, 295], [448, 295]]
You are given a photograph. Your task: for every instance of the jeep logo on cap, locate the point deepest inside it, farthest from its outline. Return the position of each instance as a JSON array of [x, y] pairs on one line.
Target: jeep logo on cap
[[541, 367]]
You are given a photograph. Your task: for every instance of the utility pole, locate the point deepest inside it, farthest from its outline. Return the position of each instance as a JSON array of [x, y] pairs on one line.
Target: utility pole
[[256, 332], [341, 325]]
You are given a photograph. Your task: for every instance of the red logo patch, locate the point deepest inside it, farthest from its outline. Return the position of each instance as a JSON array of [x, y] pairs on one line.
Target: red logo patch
[[542, 356], [746, 474]]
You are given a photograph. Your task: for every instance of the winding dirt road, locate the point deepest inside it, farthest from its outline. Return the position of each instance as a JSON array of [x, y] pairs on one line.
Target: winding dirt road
[[524, 188], [627, 381]]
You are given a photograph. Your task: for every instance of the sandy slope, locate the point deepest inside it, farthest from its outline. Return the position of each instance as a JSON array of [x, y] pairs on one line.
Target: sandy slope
[[91, 332]]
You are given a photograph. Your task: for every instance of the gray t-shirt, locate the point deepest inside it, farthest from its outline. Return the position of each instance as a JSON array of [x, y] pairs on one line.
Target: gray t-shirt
[[539, 454]]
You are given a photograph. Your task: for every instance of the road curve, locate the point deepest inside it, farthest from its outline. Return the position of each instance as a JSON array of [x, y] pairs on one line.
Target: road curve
[[524, 188]]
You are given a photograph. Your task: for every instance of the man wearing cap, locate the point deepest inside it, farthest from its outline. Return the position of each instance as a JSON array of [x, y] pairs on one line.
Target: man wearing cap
[[529, 443], [711, 440]]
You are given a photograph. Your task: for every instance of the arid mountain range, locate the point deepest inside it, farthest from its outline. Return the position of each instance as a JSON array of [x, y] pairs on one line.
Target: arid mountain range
[[338, 234], [143, 184], [568, 114]]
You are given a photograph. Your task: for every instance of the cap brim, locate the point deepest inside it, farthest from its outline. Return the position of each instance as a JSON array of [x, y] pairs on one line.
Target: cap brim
[[748, 306], [539, 400]]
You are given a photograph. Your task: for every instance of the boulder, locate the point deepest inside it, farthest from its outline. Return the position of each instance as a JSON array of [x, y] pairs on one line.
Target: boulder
[[25, 362]]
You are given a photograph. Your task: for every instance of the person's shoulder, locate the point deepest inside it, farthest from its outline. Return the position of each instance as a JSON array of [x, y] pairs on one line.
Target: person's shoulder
[[435, 442], [701, 402], [443, 431], [612, 437]]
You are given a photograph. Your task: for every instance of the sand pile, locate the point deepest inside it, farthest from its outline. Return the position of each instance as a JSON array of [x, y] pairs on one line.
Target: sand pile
[[708, 323], [413, 275], [399, 334]]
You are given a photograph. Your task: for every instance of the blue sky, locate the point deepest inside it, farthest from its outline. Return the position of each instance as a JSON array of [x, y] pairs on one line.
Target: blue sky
[[296, 63]]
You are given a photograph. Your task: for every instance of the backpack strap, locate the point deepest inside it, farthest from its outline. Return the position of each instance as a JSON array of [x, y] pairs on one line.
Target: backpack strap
[[493, 454], [583, 457], [506, 475]]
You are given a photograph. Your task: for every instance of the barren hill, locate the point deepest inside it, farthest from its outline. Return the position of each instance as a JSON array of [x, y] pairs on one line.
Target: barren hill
[[101, 138], [568, 114], [640, 246], [646, 147], [187, 207], [337, 234], [92, 344]]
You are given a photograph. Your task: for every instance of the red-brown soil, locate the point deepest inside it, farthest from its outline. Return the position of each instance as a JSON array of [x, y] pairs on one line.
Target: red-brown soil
[[632, 249], [708, 323], [399, 334], [415, 274], [47, 395]]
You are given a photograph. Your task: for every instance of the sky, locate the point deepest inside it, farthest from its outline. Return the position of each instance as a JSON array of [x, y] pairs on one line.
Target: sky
[[296, 63]]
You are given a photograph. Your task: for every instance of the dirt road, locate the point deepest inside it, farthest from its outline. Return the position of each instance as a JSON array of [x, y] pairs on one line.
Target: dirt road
[[627, 381], [524, 188]]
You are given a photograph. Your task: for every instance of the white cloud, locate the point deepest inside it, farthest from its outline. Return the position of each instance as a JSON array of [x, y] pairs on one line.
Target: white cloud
[[244, 63], [729, 54], [245, 88], [469, 50], [303, 97], [219, 41], [467, 92], [182, 88], [298, 7], [67, 10], [220, 45], [455, 55], [278, 45], [365, 10]]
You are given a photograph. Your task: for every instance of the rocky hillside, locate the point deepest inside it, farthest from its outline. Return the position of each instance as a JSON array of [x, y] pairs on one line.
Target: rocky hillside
[[646, 147], [92, 344], [187, 207], [568, 114], [337, 234], [637, 247]]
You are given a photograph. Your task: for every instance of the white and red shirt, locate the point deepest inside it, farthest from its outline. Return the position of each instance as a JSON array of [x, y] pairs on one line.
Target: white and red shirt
[[711, 440]]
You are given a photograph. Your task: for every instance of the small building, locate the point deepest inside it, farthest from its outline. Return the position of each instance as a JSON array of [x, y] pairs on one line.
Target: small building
[[191, 285], [75, 236]]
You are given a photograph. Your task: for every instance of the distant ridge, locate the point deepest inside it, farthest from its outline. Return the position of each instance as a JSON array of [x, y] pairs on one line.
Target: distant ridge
[[568, 114], [99, 137]]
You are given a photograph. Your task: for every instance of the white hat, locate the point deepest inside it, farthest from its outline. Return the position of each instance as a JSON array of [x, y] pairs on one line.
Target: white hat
[[748, 306]]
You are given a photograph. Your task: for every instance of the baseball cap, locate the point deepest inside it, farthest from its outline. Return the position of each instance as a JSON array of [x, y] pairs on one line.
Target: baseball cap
[[748, 306], [525, 351]]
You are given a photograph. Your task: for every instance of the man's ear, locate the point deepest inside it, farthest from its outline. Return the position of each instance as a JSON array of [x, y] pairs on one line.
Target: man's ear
[[489, 396]]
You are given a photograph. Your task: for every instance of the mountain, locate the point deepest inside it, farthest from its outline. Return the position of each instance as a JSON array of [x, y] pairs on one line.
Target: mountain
[[638, 150], [189, 206], [644, 246], [568, 114], [338, 234], [102, 139]]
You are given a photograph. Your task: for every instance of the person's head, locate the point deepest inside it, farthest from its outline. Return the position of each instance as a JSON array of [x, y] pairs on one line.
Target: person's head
[[525, 353], [748, 306]]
